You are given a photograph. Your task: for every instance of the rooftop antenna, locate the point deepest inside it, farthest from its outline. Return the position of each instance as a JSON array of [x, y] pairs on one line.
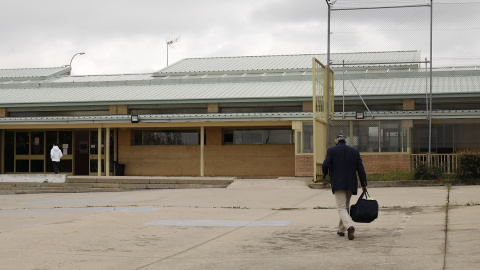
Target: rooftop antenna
[[170, 42]]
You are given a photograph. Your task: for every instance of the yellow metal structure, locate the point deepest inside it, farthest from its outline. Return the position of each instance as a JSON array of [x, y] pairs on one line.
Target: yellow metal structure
[[321, 97]]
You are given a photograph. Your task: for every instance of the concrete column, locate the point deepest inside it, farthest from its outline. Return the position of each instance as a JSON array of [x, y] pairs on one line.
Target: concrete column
[[408, 124], [202, 150], [99, 155], [107, 151]]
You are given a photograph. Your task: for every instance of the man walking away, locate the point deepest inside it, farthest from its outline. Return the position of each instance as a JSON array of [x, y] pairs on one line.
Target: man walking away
[[343, 162], [55, 155]]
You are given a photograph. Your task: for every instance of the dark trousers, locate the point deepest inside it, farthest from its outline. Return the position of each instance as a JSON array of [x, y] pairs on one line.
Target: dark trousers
[[56, 166]]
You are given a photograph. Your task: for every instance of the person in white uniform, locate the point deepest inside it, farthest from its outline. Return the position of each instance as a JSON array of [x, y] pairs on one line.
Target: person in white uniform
[[56, 155]]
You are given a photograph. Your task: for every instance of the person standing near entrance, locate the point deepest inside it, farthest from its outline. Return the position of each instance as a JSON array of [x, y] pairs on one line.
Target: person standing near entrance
[[56, 155], [343, 162]]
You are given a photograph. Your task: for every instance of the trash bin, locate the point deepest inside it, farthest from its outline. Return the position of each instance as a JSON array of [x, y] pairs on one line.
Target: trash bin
[[119, 169]]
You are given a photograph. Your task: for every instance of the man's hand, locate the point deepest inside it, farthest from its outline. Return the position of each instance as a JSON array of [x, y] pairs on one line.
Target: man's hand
[[364, 188]]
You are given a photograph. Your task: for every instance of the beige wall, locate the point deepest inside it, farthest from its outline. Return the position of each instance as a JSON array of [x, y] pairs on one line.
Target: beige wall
[[250, 160], [381, 163], [220, 160], [175, 160]]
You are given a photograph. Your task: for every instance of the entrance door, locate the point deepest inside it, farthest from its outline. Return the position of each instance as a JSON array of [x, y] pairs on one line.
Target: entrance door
[[95, 148], [29, 151], [81, 152]]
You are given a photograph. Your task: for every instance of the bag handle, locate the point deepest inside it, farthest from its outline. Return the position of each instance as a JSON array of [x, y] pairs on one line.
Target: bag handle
[[364, 193]]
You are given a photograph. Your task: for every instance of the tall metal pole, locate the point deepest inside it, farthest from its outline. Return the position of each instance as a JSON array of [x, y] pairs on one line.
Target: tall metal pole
[[343, 93], [328, 78], [431, 88], [426, 87]]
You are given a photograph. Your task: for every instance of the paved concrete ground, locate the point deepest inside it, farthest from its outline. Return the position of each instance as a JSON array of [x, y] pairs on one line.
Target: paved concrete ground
[[253, 224]]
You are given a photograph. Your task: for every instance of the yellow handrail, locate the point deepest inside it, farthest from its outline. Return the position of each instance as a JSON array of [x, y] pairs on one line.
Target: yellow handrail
[[448, 163]]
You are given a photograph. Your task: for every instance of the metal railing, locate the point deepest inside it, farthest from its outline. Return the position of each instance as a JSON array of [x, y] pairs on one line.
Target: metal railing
[[448, 163], [319, 173]]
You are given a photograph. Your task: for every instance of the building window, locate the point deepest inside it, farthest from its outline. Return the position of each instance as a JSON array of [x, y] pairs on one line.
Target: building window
[[307, 137], [37, 144], [391, 136], [166, 137], [23, 143], [378, 136], [258, 136], [366, 136], [304, 137]]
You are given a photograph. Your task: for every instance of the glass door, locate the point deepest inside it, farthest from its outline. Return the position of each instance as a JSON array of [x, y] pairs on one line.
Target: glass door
[[29, 151], [94, 150]]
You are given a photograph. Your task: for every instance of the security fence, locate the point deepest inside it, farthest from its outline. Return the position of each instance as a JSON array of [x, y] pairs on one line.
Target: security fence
[[408, 105]]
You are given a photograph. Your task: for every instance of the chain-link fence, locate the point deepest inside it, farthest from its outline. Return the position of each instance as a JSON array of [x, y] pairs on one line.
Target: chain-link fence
[[418, 101]]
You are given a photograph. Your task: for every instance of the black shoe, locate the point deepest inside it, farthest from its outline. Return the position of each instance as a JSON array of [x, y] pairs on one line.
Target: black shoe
[[351, 233], [341, 234]]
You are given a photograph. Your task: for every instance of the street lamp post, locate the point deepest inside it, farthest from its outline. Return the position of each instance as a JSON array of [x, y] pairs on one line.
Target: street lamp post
[[81, 53]]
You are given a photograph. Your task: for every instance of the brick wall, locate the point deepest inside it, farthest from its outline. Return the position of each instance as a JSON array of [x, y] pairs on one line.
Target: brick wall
[[408, 104], [304, 165], [385, 163], [118, 109], [219, 160], [174, 160], [307, 106], [233, 160], [212, 108], [250, 160]]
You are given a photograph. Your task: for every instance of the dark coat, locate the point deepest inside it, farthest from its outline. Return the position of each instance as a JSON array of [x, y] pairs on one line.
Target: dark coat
[[343, 162]]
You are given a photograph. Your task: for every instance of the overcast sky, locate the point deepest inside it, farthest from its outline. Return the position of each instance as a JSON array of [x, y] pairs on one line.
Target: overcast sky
[[129, 36]]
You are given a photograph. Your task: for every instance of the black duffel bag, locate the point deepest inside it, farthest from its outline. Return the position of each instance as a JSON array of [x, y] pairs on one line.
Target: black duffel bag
[[365, 210]]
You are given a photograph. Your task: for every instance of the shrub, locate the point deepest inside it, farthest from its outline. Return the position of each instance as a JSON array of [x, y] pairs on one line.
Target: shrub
[[427, 172], [468, 170], [326, 182], [390, 176]]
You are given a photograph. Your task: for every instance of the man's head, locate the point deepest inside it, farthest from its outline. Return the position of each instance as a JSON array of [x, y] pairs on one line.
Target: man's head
[[341, 138]]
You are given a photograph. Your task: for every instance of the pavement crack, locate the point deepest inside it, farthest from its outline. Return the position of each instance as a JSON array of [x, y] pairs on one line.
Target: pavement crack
[[447, 206], [206, 242]]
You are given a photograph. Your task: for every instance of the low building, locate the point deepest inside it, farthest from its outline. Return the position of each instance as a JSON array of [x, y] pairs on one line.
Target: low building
[[234, 116]]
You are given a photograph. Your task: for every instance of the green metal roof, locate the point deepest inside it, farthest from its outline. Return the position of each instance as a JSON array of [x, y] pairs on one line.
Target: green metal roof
[[147, 94], [295, 90], [32, 73], [265, 63], [268, 81]]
